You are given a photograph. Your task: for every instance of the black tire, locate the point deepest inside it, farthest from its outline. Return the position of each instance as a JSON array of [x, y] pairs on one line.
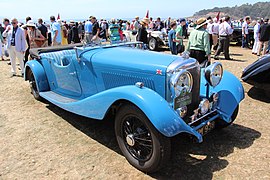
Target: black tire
[[220, 124], [33, 86], [147, 149], [153, 44]]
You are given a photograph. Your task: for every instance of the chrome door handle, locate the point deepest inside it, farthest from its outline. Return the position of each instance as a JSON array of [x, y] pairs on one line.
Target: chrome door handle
[[73, 73]]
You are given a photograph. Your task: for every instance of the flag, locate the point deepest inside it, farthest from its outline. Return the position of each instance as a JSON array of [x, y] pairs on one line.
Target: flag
[[218, 16], [58, 16], [147, 14]]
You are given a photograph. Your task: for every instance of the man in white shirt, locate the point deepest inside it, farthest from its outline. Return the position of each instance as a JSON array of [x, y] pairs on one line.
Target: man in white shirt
[[256, 37], [245, 34], [215, 30], [225, 30], [210, 30]]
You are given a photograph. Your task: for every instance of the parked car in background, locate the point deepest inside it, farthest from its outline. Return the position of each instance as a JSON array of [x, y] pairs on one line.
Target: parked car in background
[[237, 35], [151, 96], [258, 74], [156, 39]]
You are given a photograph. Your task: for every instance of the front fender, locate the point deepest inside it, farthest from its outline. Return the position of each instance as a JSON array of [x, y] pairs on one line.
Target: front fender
[[155, 107], [39, 74], [231, 93]]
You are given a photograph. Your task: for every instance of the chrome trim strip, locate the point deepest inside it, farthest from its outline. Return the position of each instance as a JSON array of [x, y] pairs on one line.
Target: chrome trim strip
[[190, 124]]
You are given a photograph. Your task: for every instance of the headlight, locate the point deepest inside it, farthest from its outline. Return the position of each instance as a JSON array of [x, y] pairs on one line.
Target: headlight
[[214, 73], [204, 106], [181, 82]]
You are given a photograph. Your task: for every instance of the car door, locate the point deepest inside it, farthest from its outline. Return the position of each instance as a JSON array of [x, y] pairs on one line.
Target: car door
[[66, 79]]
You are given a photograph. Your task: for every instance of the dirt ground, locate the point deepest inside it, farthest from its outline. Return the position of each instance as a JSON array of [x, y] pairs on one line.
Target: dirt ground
[[41, 141]]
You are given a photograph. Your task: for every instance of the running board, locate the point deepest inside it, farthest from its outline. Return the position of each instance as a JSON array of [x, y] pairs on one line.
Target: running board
[[54, 97]]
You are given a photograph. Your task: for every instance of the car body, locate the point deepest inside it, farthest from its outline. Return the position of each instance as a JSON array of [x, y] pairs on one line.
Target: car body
[[153, 96], [237, 35], [258, 73], [156, 39]]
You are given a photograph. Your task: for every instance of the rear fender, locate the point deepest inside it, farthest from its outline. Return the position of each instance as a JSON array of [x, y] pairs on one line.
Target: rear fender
[[39, 74]]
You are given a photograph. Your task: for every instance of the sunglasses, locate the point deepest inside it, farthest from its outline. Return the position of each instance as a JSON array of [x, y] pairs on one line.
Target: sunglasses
[[13, 23]]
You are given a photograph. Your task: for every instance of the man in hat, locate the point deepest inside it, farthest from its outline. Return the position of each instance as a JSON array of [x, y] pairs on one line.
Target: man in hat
[[55, 32], [225, 30], [199, 44], [88, 30], [142, 32], [16, 44]]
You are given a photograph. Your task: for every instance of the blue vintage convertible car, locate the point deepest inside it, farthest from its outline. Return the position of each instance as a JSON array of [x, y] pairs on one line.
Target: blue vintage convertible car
[[153, 96]]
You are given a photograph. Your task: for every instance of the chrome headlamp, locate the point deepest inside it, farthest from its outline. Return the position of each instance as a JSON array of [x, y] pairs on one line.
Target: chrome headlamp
[[181, 82], [213, 74]]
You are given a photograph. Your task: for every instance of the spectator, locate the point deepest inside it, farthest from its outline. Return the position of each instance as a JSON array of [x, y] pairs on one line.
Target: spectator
[[159, 25], [168, 23], [55, 32], [28, 19], [245, 33], [80, 30], [136, 24], [128, 27], [180, 36], [256, 37], [95, 30], [142, 32], [88, 30], [74, 32], [36, 39], [172, 39], [264, 37], [104, 29], [225, 30], [215, 31], [16, 43], [114, 29], [2, 29], [26, 54], [44, 31], [199, 44], [210, 30], [64, 33], [1, 46], [151, 24]]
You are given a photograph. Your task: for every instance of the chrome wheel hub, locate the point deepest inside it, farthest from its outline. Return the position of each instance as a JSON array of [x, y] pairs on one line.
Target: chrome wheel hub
[[130, 140]]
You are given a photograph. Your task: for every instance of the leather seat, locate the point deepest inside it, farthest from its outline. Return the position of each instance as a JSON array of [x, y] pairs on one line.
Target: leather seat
[[60, 57]]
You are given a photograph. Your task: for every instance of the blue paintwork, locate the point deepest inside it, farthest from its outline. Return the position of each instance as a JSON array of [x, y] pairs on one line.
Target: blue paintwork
[[103, 76], [231, 93]]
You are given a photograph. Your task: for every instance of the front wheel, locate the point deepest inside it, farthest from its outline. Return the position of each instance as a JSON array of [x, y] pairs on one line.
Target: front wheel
[[222, 124], [142, 145], [33, 85], [153, 45]]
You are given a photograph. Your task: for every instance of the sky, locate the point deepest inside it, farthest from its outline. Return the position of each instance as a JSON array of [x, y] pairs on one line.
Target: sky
[[82, 9]]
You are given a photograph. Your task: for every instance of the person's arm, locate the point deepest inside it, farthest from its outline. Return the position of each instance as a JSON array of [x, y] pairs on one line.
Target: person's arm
[[206, 42], [243, 29], [23, 42], [5, 33]]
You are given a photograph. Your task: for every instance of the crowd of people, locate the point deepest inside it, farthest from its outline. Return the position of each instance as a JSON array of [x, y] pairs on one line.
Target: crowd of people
[[210, 34]]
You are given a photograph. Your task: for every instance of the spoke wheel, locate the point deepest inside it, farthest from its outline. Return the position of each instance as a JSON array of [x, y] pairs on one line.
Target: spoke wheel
[[138, 138], [153, 44], [142, 145]]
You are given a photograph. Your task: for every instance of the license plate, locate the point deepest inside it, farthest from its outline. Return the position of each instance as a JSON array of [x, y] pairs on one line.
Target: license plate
[[181, 101], [207, 128]]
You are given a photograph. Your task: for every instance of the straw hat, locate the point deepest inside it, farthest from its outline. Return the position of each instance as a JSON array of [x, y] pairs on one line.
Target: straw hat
[[71, 22], [145, 21], [200, 22], [30, 23]]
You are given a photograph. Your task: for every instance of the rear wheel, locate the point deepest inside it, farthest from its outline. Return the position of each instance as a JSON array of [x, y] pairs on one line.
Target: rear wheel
[[153, 45], [142, 145], [33, 85], [222, 124]]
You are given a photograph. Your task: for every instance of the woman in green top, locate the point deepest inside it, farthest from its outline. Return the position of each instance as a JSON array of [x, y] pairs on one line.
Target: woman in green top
[[199, 44]]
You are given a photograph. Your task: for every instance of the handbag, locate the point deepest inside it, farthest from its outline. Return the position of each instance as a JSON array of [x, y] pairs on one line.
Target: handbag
[[39, 43], [180, 48]]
